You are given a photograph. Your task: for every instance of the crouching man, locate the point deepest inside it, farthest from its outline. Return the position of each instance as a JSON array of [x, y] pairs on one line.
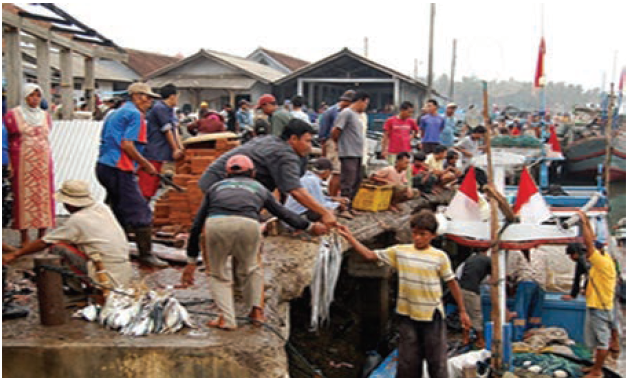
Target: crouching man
[[91, 242], [230, 218]]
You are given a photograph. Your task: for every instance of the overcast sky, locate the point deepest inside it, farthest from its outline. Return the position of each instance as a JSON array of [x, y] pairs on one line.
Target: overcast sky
[[495, 40]]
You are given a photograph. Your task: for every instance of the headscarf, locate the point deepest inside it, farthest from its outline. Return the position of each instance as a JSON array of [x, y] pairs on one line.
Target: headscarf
[[32, 116]]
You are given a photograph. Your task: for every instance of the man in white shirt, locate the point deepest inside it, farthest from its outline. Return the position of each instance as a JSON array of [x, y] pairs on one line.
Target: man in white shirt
[[91, 241], [297, 109]]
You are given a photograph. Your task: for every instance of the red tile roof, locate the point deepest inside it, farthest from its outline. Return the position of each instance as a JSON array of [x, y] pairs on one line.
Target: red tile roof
[[144, 62], [288, 61]]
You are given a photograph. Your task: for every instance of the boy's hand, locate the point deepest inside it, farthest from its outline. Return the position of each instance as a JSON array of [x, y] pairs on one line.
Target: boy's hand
[[344, 231], [465, 319]]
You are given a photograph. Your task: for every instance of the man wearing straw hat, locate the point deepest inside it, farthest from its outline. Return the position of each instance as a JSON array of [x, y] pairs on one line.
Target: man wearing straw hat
[[91, 241]]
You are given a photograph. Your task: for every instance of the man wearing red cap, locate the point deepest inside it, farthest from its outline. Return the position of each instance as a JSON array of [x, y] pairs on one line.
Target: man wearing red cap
[[230, 217], [278, 118]]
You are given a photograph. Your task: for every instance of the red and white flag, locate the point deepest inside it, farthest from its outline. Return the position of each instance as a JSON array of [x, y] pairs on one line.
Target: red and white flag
[[554, 148], [530, 205], [540, 78], [466, 205]]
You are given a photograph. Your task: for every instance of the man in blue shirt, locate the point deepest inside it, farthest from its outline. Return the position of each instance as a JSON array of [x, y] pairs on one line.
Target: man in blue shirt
[[448, 134], [329, 147], [313, 181], [244, 118], [431, 126], [164, 144], [123, 138]]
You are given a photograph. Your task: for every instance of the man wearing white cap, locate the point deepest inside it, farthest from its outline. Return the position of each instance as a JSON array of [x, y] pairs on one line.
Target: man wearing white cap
[[90, 237]]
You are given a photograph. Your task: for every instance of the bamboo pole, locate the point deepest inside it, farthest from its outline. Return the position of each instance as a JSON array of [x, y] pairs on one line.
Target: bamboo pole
[[609, 150], [497, 344]]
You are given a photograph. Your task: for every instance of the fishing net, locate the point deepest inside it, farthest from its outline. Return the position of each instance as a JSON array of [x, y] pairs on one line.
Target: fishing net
[[525, 141], [326, 274]]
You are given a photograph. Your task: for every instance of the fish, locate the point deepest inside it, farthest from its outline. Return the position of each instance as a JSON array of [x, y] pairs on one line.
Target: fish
[[89, 313]]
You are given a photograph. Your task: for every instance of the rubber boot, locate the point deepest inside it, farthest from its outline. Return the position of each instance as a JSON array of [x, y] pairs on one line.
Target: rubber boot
[[143, 238]]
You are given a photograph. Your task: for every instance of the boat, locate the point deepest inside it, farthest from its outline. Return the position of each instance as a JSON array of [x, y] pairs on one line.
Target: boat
[[584, 145]]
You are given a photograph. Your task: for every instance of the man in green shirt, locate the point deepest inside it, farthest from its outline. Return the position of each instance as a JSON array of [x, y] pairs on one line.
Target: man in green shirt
[[278, 118]]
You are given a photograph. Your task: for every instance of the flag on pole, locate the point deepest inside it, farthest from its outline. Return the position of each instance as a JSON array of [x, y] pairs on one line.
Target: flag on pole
[[530, 205], [540, 79], [466, 205], [554, 148], [621, 81]]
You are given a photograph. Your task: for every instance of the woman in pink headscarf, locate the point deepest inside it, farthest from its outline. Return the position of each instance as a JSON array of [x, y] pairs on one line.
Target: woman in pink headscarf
[[31, 160]]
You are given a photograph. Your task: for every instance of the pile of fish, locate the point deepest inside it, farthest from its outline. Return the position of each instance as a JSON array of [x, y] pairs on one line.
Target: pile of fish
[[136, 312], [326, 274]]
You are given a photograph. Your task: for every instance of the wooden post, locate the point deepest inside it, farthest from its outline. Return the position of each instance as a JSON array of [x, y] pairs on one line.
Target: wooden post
[[43, 68], [50, 291], [451, 91], [497, 344], [14, 74], [609, 150], [90, 83], [431, 37], [67, 84]]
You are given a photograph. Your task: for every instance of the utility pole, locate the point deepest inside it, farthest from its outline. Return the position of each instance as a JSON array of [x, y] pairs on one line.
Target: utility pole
[[609, 150], [416, 69], [430, 75], [451, 91], [366, 47]]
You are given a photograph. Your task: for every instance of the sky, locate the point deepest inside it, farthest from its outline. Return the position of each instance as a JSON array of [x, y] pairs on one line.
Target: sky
[[496, 40]]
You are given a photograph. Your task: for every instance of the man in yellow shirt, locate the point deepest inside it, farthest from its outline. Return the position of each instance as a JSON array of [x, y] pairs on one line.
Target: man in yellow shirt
[[599, 300], [421, 269]]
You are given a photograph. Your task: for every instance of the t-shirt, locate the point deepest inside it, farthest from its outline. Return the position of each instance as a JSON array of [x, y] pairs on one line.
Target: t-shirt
[[470, 145], [5, 146], [476, 269], [351, 143], [276, 164], [96, 232], [327, 120], [399, 134], [231, 120], [278, 120], [392, 176], [160, 120], [299, 114], [601, 282], [535, 269], [434, 164], [313, 184], [448, 134], [244, 118], [126, 123], [420, 275], [432, 126], [243, 197]]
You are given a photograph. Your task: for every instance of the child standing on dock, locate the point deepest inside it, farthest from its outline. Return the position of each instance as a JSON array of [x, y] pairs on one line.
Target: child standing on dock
[[421, 268]]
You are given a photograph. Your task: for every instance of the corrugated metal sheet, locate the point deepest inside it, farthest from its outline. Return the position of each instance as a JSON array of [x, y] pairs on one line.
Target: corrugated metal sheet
[[74, 152], [242, 83], [258, 69]]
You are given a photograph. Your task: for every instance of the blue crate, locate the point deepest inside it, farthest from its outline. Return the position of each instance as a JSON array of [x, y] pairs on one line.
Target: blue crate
[[570, 315]]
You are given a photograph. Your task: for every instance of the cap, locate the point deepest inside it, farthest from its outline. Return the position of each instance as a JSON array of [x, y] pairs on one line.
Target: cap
[[74, 193], [348, 95], [452, 105], [239, 163], [265, 99], [142, 88], [322, 164]]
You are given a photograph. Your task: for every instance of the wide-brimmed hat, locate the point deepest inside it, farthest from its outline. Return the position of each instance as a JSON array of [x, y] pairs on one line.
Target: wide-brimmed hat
[[74, 193], [142, 88]]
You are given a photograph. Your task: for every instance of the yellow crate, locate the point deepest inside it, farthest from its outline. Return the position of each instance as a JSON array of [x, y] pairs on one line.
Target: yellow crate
[[373, 197]]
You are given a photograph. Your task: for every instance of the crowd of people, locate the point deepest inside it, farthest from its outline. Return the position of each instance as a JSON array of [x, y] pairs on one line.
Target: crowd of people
[[272, 171]]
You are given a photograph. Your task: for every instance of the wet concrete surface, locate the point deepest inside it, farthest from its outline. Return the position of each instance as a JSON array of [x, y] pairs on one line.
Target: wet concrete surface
[[80, 348]]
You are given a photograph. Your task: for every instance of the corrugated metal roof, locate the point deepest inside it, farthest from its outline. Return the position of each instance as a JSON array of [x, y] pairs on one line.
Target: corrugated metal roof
[[257, 69], [203, 82], [75, 147]]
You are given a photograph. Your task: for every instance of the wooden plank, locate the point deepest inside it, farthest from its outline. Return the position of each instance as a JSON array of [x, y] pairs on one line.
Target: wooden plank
[[67, 84], [43, 67], [14, 74]]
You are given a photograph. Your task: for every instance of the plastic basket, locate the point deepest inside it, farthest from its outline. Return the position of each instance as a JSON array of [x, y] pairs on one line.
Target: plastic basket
[[373, 197]]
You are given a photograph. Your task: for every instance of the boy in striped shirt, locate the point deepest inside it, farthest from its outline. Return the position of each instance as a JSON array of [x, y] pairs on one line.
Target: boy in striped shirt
[[421, 269]]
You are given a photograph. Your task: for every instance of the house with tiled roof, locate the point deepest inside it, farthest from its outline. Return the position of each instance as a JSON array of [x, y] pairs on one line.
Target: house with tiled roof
[[145, 62], [216, 78], [279, 61]]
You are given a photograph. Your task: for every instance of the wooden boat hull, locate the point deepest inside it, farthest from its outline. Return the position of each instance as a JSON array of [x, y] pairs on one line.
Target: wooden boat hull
[[584, 157]]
